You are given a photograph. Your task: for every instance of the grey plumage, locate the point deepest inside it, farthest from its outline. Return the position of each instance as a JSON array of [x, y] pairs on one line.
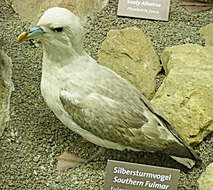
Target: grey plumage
[[94, 101]]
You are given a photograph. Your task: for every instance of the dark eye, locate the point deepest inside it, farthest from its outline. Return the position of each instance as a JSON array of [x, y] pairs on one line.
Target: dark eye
[[58, 29]]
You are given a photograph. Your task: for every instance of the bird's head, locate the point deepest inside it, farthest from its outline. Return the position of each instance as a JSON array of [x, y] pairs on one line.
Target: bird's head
[[58, 30]]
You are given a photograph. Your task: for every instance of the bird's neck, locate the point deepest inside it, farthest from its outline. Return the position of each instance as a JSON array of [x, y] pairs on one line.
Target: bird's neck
[[60, 54], [54, 63]]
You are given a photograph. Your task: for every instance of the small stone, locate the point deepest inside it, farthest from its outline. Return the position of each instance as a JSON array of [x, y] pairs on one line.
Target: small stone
[[42, 168], [35, 172], [36, 159], [129, 52], [12, 166], [206, 179]]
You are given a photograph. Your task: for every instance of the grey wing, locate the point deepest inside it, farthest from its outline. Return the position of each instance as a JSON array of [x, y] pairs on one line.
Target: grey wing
[[104, 117]]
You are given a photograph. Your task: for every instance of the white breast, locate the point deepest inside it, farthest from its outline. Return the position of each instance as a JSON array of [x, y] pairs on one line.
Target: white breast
[[50, 91]]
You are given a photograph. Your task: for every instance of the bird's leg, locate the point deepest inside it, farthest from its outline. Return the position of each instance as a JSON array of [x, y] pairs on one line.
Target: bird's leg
[[68, 160], [94, 156]]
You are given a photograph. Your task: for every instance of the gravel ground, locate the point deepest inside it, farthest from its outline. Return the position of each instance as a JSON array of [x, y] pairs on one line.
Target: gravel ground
[[29, 146]]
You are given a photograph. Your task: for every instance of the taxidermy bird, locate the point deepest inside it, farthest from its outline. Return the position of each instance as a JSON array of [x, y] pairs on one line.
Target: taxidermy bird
[[92, 100]]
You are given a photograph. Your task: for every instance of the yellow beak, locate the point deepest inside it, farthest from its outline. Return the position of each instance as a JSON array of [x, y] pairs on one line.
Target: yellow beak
[[21, 37]]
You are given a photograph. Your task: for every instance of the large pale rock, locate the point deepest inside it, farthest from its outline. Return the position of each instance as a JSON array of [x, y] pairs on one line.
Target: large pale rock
[[6, 87], [207, 33], [206, 179], [129, 52], [186, 97], [31, 10]]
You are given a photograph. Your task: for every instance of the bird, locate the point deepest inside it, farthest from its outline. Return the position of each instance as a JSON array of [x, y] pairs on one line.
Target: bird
[[94, 101]]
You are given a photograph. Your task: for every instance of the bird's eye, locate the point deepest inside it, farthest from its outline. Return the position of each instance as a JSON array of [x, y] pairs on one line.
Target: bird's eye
[[58, 29]]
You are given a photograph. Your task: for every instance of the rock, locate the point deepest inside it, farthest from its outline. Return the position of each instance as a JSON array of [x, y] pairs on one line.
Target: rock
[[207, 33], [35, 8], [129, 52], [206, 179], [186, 97], [195, 6], [6, 87]]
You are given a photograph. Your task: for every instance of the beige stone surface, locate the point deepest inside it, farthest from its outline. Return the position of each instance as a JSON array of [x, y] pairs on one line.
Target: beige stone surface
[[129, 52], [206, 179], [186, 97], [6, 87], [31, 10], [207, 33]]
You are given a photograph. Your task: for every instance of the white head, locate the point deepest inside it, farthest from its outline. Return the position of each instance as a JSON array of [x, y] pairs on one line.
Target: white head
[[60, 32]]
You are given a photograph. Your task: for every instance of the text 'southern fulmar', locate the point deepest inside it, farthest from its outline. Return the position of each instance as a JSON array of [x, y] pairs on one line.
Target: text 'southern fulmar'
[[94, 101]]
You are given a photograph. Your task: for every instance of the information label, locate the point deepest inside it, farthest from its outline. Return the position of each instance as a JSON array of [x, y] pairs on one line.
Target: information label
[[149, 9], [130, 176]]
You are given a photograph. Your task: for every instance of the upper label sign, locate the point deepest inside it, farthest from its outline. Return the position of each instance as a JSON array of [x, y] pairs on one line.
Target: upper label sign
[[130, 176], [149, 9]]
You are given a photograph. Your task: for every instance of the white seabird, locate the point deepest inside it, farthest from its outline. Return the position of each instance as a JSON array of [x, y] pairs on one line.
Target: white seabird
[[94, 101]]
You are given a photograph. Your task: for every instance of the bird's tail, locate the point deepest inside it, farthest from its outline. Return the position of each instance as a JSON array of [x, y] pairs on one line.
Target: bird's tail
[[179, 150], [189, 163]]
